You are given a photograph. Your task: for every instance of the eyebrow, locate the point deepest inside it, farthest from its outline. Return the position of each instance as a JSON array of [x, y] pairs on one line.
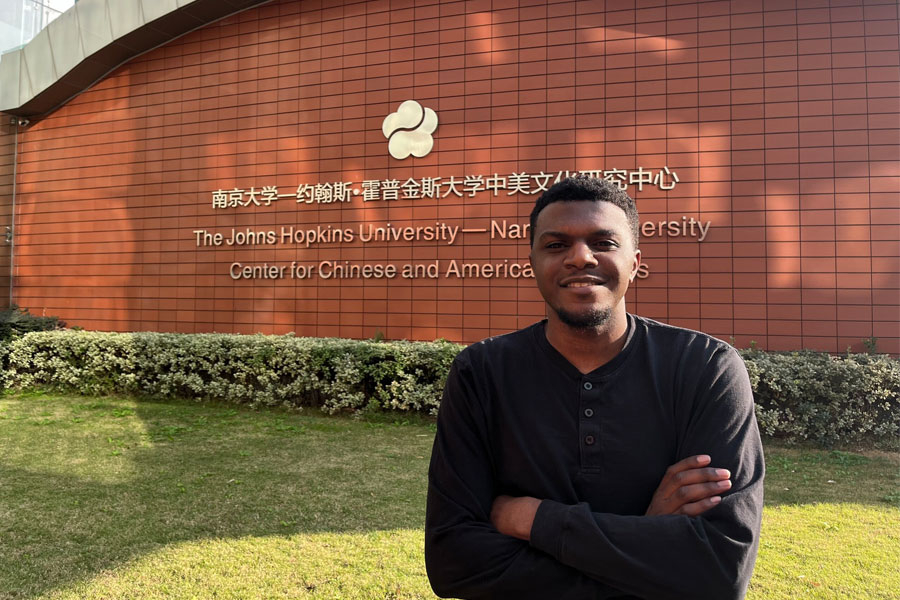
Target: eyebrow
[[596, 233]]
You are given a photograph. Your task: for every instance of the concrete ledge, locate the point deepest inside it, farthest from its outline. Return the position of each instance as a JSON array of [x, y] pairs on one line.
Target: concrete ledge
[[91, 39]]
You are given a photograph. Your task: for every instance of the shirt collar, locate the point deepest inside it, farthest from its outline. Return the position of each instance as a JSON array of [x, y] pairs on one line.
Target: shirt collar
[[601, 372]]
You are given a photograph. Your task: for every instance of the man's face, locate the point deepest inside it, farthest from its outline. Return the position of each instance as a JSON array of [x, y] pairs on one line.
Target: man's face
[[583, 259]]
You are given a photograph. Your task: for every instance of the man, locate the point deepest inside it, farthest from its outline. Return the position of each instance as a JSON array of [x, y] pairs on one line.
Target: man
[[595, 454]]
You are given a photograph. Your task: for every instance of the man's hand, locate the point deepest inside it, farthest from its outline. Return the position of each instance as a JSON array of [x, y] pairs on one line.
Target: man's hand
[[514, 516], [689, 487]]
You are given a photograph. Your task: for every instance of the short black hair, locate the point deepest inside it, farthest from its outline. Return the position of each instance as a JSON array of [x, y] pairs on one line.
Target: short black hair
[[581, 187]]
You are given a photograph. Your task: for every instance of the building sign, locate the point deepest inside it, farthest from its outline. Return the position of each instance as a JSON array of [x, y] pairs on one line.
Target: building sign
[[436, 233], [435, 187]]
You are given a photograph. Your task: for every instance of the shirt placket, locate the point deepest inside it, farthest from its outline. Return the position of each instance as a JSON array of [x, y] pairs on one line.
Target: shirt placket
[[589, 424]]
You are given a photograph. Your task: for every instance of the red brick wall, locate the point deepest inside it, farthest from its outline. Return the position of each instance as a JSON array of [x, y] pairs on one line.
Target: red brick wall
[[781, 122], [7, 152]]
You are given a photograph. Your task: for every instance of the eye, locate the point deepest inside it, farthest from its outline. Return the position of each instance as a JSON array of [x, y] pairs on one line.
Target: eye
[[604, 244], [554, 245]]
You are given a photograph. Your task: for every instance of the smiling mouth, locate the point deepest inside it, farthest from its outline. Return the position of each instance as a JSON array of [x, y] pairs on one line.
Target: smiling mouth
[[582, 283]]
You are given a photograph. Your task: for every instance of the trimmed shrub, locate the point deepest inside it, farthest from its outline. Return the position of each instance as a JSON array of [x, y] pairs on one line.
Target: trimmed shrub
[[827, 399], [813, 396], [334, 374], [5, 380]]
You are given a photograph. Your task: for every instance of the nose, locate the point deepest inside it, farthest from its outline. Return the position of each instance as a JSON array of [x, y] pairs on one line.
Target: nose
[[580, 256]]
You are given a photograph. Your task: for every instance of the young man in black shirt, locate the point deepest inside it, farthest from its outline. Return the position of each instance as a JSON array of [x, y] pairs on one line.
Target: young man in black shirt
[[595, 454]]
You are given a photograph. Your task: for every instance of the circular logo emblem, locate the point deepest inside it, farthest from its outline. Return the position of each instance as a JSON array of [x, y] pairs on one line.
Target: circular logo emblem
[[409, 130]]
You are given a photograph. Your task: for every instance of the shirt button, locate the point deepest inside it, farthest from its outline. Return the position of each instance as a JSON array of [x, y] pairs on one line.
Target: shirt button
[[589, 440], [588, 385], [589, 412]]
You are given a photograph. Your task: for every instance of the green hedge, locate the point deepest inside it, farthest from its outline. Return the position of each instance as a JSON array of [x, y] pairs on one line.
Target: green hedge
[[826, 399], [334, 374], [849, 399]]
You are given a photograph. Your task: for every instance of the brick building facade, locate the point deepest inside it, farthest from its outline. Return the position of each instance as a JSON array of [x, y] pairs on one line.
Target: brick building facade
[[238, 178]]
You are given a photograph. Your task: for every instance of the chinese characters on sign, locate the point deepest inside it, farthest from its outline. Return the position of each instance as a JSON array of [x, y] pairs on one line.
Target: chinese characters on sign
[[436, 188]]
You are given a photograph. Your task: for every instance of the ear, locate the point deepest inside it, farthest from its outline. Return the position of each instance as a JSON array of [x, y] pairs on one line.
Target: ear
[[635, 266]]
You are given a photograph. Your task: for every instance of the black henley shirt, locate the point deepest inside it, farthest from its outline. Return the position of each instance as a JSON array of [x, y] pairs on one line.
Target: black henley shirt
[[517, 418]]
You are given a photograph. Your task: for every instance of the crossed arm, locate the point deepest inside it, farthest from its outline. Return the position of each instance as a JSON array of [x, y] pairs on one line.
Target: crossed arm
[[690, 487]]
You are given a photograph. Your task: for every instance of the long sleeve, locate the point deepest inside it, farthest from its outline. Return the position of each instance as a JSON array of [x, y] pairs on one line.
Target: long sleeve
[[710, 556], [519, 419], [464, 555]]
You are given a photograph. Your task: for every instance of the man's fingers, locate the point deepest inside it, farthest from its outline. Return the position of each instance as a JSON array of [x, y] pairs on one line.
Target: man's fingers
[[699, 476], [689, 482], [701, 506], [691, 462], [672, 485], [693, 493]]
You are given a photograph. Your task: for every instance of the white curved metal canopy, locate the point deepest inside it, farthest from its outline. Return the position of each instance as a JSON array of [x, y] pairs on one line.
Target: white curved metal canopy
[[91, 39]]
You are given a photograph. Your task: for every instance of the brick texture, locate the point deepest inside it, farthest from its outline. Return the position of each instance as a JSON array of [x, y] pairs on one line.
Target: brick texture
[[780, 120], [7, 153]]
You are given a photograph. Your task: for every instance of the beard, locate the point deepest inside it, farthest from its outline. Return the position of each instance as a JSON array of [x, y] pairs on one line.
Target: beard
[[592, 319]]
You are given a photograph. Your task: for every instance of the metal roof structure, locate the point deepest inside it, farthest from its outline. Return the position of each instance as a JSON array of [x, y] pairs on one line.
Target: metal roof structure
[[91, 39]]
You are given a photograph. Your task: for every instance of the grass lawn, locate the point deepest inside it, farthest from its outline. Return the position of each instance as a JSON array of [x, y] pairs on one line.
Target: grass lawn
[[112, 498]]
